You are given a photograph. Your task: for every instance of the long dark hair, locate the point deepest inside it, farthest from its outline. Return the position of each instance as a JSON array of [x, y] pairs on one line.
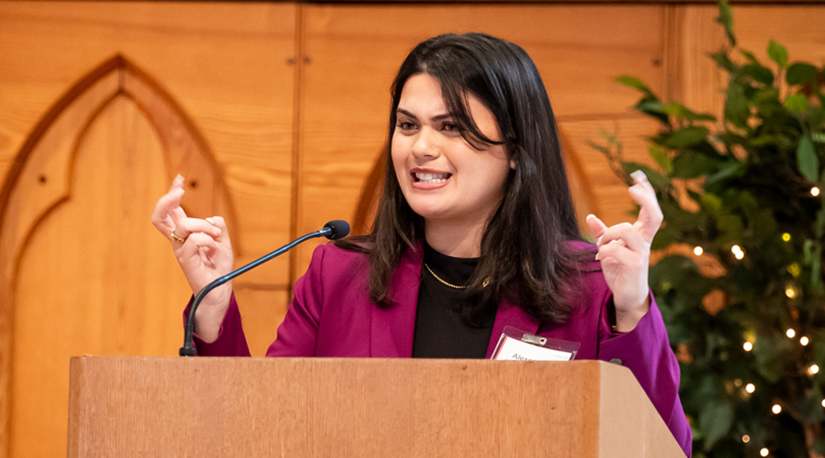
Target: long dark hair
[[524, 249]]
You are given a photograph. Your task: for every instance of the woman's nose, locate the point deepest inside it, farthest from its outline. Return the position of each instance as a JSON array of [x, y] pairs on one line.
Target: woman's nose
[[426, 145]]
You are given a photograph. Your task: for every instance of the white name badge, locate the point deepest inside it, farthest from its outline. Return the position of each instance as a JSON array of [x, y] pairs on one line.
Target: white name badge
[[515, 345]]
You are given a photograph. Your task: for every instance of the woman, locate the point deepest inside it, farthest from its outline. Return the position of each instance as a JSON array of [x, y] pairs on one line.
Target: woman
[[475, 231]]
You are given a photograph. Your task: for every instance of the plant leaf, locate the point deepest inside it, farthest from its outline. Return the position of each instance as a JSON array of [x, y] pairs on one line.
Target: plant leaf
[[691, 164], [727, 170], [652, 107], [797, 103], [680, 111], [778, 53], [688, 136], [806, 159], [736, 106], [799, 73], [723, 61], [750, 56], [659, 154], [636, 83], [715, 420], [711, 202], [726, 19], [758, 73]]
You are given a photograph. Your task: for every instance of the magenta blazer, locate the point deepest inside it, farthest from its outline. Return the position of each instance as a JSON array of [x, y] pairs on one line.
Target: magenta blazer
[[331, 316]]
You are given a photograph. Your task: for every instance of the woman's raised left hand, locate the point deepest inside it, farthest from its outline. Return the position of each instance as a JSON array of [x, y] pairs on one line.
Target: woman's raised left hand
[[624, 253]]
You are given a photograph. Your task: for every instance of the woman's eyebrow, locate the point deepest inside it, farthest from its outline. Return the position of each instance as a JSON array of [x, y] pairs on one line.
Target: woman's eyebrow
[[434, 118]]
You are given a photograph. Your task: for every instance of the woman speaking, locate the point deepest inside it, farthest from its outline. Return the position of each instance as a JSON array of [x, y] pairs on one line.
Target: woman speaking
[[475, 231]]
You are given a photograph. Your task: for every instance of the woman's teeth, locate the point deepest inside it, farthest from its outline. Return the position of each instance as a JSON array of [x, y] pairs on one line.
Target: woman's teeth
[[432, 177]]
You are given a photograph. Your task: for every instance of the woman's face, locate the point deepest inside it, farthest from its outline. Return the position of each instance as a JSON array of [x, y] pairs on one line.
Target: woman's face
[[443, 178]]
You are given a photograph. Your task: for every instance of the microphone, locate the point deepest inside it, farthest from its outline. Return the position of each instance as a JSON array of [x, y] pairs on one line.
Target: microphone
[[332, 230], [335, 230]]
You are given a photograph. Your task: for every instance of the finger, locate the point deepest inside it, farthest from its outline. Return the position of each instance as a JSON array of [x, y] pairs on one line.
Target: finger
[[177, 182], [616, 252], [187, 226], [162, 217], [596, 226], [650, 213], [628, 235], [194, 243], [220, 223]]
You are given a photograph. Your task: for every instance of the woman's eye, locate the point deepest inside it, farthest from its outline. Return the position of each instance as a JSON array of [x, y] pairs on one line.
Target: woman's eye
[[403, 125], [450, 127]]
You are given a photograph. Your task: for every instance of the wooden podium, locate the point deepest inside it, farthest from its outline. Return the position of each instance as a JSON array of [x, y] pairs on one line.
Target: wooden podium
[[316, 407]]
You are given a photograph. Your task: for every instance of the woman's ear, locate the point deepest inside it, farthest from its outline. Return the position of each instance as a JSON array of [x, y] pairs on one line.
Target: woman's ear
[[512, 164]]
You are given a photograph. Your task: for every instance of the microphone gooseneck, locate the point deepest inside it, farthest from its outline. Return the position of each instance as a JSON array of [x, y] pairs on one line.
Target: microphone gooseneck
[[332, 230]]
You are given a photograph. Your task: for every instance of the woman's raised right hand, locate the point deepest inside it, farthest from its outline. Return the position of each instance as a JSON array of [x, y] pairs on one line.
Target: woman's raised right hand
[[204, 252]]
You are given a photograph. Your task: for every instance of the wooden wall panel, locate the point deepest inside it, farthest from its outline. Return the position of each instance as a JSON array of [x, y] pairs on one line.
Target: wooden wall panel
[[797, 27], [694, 79], [354, 50], [229, 67], [263, 310], [83, 286]]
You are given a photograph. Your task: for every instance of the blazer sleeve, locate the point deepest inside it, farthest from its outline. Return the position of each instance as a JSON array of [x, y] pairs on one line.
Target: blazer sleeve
[[646, 352], [298, 332], [231, 340]]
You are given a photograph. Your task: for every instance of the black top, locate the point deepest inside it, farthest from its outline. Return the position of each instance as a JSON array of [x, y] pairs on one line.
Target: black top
[[440, 332]]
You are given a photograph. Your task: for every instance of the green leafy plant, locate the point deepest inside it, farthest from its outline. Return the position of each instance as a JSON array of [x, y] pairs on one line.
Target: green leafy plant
[[740, 280]]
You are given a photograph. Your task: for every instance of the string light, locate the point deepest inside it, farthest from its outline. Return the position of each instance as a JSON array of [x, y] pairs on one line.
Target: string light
[[747, 346], [776, 409], [823, 403], [804, 341], [813, 369], [764, 452], [786, 237], [814, 191], [790, 292], [698, 251], [737, 251], [750, 388], [746, 438], [790, 333]]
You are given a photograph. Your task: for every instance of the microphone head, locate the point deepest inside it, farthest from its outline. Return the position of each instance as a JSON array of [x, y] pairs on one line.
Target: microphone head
[[337, 229]]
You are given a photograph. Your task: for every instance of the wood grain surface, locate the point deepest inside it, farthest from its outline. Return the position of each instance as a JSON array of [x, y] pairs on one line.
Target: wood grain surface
[[212, 99], [218, 407]]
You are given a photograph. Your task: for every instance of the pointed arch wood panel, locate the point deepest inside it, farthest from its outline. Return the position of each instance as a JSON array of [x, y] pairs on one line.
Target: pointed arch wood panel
[[77, 199]]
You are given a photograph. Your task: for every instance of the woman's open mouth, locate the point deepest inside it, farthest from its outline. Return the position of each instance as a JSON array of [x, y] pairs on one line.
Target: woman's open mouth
[[430, 178]]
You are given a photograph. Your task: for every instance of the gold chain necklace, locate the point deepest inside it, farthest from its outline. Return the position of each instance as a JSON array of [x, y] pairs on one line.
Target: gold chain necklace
[[483, 285], [442, 281]]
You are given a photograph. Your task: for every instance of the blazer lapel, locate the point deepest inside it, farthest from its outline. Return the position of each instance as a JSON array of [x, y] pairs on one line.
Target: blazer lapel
[[510, 315], [392, 328]]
